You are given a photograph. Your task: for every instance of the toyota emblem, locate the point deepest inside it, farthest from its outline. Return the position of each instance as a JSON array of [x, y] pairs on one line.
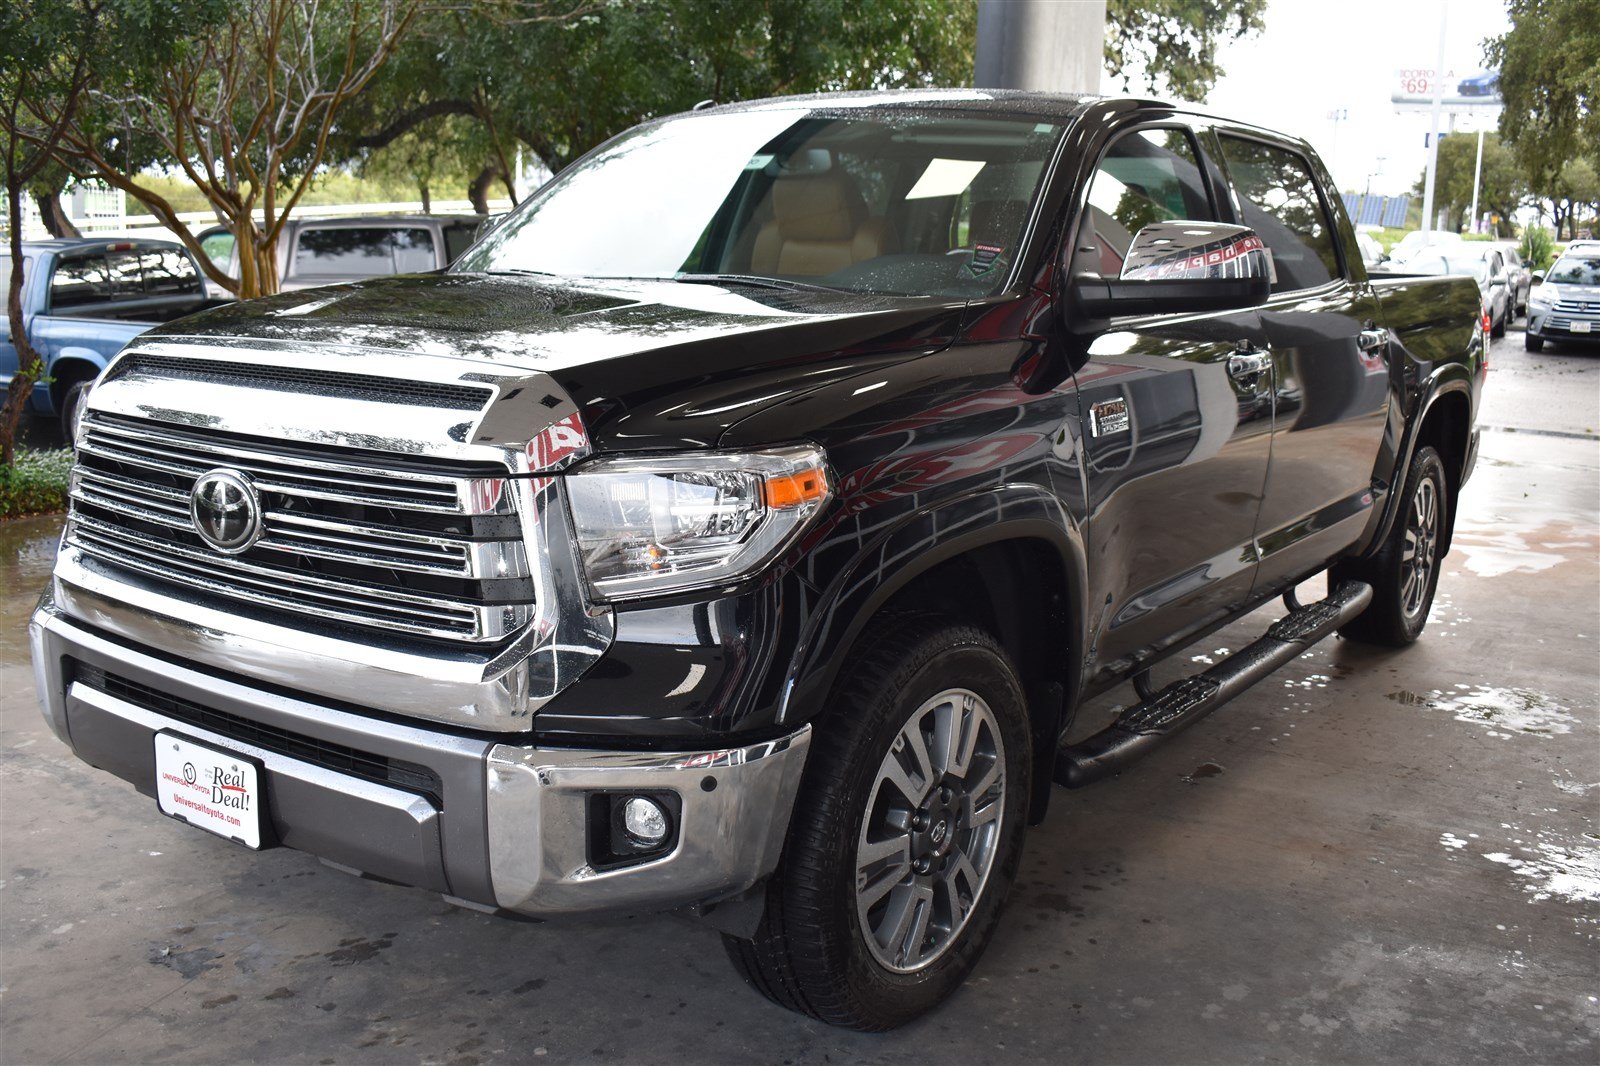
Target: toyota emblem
[[225, 510]]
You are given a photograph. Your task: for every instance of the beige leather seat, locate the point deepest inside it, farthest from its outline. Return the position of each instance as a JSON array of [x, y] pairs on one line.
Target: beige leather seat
[[819, 225]]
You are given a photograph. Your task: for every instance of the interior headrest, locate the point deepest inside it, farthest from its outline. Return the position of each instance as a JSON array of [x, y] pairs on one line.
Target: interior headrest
[[821, 207]]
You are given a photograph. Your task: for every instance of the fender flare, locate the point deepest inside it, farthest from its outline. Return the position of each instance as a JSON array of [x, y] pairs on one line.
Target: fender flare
[[1448, 378], [914, 546]]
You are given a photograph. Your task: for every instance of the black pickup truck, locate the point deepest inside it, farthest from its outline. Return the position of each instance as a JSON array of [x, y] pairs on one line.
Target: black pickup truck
[[738, 526]]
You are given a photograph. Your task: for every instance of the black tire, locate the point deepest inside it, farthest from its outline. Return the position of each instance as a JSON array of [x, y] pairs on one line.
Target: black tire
[[1402, 591], [1497, 328], [810, 952], [1532, 343], [69, 410]]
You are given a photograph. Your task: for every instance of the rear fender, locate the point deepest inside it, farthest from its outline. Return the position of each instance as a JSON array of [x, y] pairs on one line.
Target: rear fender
[[1447, 378]]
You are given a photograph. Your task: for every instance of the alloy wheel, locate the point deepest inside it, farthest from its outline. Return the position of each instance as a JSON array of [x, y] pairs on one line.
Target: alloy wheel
[[931, 831]]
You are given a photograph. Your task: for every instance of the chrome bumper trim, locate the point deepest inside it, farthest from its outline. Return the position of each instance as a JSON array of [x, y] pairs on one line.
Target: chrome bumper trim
[[512, 831], [729, 835]]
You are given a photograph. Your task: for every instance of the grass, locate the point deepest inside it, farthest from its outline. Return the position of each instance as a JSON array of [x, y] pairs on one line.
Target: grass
[[36, 483]]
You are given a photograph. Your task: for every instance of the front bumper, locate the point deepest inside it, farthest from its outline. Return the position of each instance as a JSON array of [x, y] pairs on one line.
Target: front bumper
[[1553, 323], [496, 824]]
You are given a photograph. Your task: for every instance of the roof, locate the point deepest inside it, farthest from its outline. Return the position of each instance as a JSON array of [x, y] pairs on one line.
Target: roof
[[74, 244], [1055, 106]]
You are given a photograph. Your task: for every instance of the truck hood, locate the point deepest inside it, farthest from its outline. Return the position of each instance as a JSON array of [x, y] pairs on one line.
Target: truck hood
[[648, 364]]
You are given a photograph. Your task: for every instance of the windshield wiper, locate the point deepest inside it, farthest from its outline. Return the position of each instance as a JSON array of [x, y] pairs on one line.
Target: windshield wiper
[[755, 281]]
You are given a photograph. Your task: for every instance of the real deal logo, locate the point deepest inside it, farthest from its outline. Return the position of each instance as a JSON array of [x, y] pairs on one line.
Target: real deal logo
[[227, 788]]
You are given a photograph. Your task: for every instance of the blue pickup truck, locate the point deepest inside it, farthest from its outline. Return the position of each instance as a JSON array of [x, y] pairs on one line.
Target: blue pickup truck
[[83, 299]]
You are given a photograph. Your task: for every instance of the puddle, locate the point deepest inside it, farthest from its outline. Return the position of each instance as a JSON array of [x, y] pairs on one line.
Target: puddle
[[27, 553], [1495, 545], [1504, 711], [1556, 871]]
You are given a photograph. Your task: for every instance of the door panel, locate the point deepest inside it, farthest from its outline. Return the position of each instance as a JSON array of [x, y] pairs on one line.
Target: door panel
[[1173, 497], [1332, 405], [1330, 365]]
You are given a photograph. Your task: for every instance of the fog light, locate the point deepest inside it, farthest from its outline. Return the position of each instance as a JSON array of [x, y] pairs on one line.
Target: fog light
[[644, 820]]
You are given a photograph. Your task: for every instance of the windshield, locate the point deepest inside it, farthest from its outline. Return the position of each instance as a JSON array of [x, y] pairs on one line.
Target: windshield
[[1573, 271], [900, 203]]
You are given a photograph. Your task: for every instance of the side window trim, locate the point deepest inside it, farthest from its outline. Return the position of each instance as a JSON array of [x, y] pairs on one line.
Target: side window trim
[[1344, 275]]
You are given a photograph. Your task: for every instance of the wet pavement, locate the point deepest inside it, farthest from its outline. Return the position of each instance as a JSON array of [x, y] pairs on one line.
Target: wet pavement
[[1373, 856]]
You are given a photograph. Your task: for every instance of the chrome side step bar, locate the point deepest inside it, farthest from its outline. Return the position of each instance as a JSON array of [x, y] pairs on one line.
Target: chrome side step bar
[[1159, 716]]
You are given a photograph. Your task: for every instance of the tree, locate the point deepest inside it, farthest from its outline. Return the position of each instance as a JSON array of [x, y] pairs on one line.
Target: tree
[[51, 53], [1173, 43], [1501, 185], [561, 76], [1575, 192], [245, 110], [1549, 65]]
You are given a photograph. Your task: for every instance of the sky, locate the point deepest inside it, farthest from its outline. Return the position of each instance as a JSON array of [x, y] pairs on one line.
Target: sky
[[1317, 56]]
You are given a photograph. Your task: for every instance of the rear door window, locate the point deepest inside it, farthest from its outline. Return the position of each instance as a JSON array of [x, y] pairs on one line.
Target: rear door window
[[1281, 202], [79, 281], [457, 239]]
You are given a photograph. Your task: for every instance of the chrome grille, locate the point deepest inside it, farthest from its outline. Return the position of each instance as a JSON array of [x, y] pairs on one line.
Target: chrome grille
[[354, 538], [1578, 307]]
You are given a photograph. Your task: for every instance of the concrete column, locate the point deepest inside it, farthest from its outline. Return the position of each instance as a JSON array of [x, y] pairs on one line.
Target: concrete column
[[1048, 45]]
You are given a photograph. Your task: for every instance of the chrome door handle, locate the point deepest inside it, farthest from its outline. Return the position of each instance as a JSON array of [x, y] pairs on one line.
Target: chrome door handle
[[1247, 366], [1371, 340]]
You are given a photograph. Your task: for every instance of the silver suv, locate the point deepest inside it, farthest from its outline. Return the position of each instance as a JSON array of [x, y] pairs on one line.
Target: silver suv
[[1565, 302]]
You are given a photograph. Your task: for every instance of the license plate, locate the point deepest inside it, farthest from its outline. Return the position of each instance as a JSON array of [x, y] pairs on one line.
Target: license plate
[[219, 791], [1581, 327]]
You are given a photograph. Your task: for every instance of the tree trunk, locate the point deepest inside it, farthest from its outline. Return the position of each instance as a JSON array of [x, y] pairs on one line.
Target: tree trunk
[[29, 366], [55, 219], [478, 190], [427, 200]]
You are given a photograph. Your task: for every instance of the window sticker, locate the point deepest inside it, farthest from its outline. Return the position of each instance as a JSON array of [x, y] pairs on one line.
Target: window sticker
[[945, 177], [984, 257]]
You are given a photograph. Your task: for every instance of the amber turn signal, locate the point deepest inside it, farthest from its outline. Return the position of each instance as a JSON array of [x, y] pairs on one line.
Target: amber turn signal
[[791, 490]]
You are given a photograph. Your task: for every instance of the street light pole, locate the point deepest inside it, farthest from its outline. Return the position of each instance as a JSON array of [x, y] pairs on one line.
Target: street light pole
[[1433, 136], [1477, 174]]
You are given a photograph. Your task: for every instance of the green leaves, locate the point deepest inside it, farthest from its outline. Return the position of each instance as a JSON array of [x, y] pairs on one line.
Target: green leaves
[[1550, 79], [1173, 43]]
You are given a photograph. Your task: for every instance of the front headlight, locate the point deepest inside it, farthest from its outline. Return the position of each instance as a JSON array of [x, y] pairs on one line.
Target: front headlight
[[1541, 297], [651, 525]]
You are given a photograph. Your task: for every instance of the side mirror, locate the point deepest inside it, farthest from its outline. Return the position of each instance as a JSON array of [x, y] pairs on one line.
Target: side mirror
[[1538, 277], [1182, 267]]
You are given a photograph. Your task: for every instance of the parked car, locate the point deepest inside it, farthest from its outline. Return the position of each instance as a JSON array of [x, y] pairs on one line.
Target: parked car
[[739, 525], [1483, 83], [1565, 302], [1484, 265], [329, 251], [1371, 251], [1519, 275], [83, 299], [1419, 240]]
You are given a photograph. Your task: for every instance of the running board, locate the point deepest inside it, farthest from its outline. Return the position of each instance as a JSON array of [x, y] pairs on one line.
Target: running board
[[1145, 726]]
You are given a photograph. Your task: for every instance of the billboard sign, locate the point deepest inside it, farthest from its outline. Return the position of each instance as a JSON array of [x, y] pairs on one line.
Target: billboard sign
[[1464, 91]]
